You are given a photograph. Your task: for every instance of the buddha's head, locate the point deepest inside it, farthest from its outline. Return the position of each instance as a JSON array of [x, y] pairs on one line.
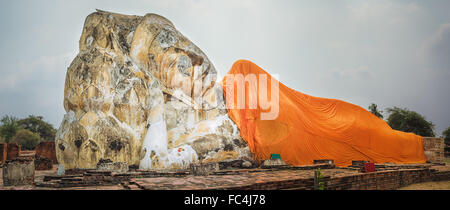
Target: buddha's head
[[130, 72]]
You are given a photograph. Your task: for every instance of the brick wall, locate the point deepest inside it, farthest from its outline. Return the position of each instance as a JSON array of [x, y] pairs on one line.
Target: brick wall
[[434, 149], [381, 180], [3, 151], [47, 150], [13, 151]]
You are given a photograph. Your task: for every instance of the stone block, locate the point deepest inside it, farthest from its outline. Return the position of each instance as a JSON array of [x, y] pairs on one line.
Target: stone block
[[246, 164], [18, 172], [47, 150], [274, 163], [204, 169], [230, 164], [108, 165]]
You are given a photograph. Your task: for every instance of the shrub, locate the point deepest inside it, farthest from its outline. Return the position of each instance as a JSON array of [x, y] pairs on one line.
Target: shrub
[[8, 127], [446, 135], [26, 139], [373, 108], [405, 120]]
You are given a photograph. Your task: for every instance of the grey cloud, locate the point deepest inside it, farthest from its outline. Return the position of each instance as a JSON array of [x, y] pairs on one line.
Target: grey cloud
[[358, 73], [360, 52], [437, 48], [35, 87]]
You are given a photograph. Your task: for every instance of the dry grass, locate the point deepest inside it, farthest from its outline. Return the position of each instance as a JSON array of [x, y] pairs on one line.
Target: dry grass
[[443, 185]]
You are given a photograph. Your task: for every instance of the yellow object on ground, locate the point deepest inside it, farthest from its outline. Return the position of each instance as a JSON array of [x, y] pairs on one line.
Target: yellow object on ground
[[310, 128]]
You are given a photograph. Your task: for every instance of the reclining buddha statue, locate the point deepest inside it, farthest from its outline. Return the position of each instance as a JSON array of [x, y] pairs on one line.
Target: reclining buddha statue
[[140, 92]]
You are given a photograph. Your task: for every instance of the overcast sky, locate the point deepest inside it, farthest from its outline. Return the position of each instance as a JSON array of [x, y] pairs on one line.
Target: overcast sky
[[392, 53]]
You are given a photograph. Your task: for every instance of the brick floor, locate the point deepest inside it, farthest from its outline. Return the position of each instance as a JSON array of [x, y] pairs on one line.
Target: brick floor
[[231, 179], [238, 181]]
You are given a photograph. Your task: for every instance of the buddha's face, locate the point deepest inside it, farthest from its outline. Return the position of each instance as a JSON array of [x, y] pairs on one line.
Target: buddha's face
[[131, 72], [182, 67]]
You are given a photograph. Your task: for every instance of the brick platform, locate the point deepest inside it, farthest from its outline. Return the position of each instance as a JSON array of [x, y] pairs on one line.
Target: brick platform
[[388, 176], [334, 179]]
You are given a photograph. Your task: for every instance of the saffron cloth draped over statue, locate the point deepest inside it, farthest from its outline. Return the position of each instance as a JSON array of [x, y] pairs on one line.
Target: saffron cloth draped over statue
[[310, 128]]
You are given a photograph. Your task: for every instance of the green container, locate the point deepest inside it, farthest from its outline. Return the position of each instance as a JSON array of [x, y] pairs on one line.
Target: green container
[[275, 156]]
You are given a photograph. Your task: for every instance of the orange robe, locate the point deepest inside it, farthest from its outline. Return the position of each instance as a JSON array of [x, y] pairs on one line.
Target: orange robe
[[309, 128]]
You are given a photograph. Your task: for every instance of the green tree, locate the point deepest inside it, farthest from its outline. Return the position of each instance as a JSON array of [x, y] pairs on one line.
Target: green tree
[[8, 127], [36, 124], [446, 135], [373, 108], [406, 120], [26, 139]]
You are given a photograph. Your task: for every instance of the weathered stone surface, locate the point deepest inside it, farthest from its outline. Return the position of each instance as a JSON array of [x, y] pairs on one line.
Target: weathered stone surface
[[203, 169], [230, 164], [247, 164], [47, 150], [3, 152], [18, 172], [108, 165], [140, 92], [13, 151], [274, 163]]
